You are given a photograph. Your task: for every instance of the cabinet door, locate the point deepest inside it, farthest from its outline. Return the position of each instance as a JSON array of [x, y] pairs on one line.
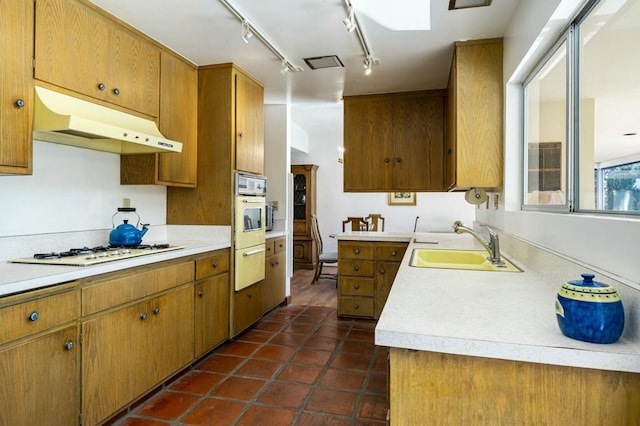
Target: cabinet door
[[385, 274], [273, 286], [249, 125], [368, 155], [247, 307], [211, 313], [79, 49], [39, 381], [418, 134], [16, 98]]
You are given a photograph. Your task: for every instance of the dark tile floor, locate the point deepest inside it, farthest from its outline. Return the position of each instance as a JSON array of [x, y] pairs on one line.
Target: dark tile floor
[[300, 365]]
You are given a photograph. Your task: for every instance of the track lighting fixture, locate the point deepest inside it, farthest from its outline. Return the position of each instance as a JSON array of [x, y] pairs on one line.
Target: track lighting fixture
[[350, 21], [246, 32], [284, 68]]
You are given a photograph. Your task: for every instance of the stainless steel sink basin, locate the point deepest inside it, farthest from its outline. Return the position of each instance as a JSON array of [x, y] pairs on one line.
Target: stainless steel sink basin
[[474, 260]]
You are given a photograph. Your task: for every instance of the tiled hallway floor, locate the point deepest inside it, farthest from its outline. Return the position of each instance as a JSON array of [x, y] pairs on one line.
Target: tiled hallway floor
[[300, 365]]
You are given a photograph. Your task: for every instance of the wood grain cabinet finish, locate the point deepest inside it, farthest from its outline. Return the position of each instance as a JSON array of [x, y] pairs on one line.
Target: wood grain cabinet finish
[[366, 271], [16, 91], [455, 389], [138, 341], [178, 120], [220, 109], [474, 143], [247, 307], [304, 205], [394, 142], [273, 285], [40, 359], [80, 49], [212, 301]]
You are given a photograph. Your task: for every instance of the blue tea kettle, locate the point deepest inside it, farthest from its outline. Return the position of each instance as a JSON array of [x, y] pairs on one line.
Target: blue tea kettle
[[125, 234]]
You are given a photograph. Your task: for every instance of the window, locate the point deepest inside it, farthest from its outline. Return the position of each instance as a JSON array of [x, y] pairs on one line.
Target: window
[[591, 110]]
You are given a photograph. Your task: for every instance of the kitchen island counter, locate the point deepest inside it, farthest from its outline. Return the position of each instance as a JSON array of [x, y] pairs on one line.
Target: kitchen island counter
[[503, 315]]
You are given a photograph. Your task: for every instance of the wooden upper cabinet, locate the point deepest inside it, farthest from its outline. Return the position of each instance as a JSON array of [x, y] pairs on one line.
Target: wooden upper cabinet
[[394, 142], [178, 120], [78, 48], [16, 91], [249, 125], [474, 145]]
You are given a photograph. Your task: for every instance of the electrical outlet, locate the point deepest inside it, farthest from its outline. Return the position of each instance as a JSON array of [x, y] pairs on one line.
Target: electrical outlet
[[126, 202], [275, 205], [495, 201]]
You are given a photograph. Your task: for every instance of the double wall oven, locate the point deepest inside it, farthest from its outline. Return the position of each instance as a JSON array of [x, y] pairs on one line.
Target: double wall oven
[[249, 229]]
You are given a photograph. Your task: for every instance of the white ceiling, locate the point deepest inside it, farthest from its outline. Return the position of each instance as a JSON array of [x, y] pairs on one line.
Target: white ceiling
[[205, 32]]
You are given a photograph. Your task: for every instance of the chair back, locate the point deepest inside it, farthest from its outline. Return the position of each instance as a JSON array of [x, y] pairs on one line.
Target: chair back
[[356, 224], [376, 222], [315, 233]]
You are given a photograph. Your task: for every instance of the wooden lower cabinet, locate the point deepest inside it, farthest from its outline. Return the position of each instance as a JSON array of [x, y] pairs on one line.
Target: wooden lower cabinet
[[129, 350], [366, 271], [274, 283], [39, 380], [211, 301], [443, 389], [247, 307]]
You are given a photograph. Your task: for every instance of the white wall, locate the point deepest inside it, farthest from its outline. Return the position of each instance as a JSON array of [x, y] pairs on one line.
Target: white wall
[[72, 189], [324, 126], [277, 156], [604, 243]]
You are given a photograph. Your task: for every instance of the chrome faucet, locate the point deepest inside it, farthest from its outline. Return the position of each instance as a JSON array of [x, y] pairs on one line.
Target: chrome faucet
[[493, 246]]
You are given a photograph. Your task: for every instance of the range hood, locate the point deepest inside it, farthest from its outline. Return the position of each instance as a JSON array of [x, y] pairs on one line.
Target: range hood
[[67, 120]]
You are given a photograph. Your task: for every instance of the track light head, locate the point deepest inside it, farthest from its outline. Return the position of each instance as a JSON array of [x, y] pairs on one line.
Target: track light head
[[350, 21], [246, 32], [284, 67], [367, 64]]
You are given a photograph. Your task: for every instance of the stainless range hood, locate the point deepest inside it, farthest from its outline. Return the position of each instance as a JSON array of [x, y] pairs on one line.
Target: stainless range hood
[[67, 120]]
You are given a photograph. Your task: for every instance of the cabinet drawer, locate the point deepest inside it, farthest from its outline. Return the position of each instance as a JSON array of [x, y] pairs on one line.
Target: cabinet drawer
[[269, 248], [391, 252], [118, 290], [356, 286], [37, 315], [360, 268], [216, 263], [355, 250], [355, 306], [280, 245]]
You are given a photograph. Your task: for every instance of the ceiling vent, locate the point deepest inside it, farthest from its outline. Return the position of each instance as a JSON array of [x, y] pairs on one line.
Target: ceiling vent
[[466, 4], [319, 62]]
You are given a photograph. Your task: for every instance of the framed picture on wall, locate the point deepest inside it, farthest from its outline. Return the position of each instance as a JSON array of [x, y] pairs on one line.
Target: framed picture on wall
[[402, 199]]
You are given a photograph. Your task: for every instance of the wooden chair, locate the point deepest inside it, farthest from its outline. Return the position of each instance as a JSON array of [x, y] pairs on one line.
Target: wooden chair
[[357, 224], [376, 222], [321, 256]]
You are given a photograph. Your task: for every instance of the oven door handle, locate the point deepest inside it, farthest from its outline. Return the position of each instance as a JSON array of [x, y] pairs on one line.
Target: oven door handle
[[252, 252], [254, 200]]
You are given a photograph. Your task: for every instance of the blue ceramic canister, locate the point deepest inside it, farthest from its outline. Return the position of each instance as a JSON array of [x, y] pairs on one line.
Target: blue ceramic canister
[[590, 311]]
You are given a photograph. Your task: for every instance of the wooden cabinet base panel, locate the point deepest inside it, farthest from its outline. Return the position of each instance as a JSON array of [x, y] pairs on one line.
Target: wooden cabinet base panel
[[443, 389]]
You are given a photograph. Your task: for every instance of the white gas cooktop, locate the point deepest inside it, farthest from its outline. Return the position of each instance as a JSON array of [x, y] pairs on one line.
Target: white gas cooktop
[[96, 255]]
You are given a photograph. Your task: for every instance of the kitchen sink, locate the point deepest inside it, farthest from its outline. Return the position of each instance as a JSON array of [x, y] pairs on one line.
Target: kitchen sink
[[474, 260]]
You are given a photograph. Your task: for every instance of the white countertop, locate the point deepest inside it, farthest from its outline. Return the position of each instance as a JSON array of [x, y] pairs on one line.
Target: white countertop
[[19, 277], [506, 315]]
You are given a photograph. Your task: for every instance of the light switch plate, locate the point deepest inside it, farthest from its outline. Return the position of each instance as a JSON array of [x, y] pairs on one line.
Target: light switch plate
[[275, 205]]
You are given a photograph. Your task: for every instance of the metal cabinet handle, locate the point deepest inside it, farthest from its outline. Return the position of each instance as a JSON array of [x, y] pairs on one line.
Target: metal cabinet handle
[[249, 295], [19, 103], [69, 345], [101, 86], [356, 306], [201, 293], [394, 253], [357, 286], [398, 159], [357, 251], [116, 91], [381, 271], [241, 134], [143, 316], [34, 316], [356, 268], [386, 160], [156, 310], [214, 264]]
